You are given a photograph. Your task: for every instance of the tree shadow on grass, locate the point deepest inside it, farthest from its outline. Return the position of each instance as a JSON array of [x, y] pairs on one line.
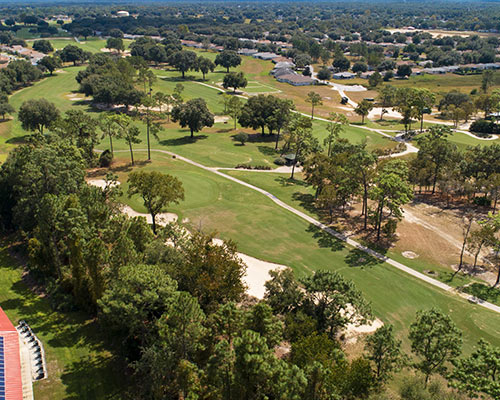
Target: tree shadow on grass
[[89, 378], [18, 139], [179, 78], [325, 240], [58, 329], [306, 200], [259, 138], [267, 151], [182, 140], [483, 292], [291, 182], [358, 258]]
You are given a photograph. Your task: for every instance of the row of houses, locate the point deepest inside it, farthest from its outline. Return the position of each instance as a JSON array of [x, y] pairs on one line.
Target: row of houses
[[458, 68], [284, 72], [32, 55]]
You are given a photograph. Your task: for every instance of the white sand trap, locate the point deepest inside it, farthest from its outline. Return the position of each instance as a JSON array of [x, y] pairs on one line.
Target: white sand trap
[[257, 273], [161, 219], [75, 97], [409, 254], [391, 113], [352, 331], [220, 118], [101, 183]]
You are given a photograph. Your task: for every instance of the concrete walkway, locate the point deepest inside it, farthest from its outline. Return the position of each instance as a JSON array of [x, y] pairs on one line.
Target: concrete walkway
[[338, 235]]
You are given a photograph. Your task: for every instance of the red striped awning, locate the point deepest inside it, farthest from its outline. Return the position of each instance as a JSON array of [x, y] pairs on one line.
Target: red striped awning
[[11, 387]]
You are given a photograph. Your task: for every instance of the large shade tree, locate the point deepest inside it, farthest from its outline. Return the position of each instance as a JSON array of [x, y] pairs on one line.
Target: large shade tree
[[157, 190], [36, 115], [228, 59], [193, 114]]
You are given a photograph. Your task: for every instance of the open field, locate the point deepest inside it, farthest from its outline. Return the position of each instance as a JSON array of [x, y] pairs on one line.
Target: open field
[[265, 231], [441, 84], [92, 44], [80, 365]]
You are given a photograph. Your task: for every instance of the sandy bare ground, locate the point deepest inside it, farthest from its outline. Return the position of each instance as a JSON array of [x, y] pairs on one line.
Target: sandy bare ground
[[257, 273], [162, 219], [375, 113], [220, 118], [437, 234], [352, 332], [422, 218]]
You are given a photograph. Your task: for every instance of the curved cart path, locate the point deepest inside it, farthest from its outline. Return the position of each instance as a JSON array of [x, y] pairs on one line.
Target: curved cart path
[[338, 235]]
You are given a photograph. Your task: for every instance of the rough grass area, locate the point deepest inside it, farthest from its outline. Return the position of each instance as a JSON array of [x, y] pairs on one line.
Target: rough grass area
[[441, 84], [79, 363], [435, 255]]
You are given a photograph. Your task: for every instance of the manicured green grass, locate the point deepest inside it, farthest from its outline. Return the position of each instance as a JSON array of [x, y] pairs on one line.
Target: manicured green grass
[[255, 87], [266, 231], [55, 89], [80, 365], [92, 44], [394, 124], [462, 140]]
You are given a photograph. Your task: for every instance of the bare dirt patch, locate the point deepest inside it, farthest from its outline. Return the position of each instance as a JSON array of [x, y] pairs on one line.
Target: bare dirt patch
[[409, 254], [257, 273], [221, 119]]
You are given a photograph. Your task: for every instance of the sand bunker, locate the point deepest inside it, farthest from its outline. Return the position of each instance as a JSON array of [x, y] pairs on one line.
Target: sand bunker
[[257, 273], [75, 97], [101, 183], [352, 331], [220, 118], [376, 111], [161, 219], [409, 254]]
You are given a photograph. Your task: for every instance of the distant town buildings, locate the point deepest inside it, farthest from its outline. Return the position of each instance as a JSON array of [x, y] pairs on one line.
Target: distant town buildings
[[16, 51]]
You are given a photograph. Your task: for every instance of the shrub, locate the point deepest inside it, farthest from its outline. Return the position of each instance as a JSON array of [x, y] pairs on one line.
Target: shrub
[[483, 128], [241, 137], [482, 201], [105, 159], [324, 74], [248, 166], [280, 161]]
